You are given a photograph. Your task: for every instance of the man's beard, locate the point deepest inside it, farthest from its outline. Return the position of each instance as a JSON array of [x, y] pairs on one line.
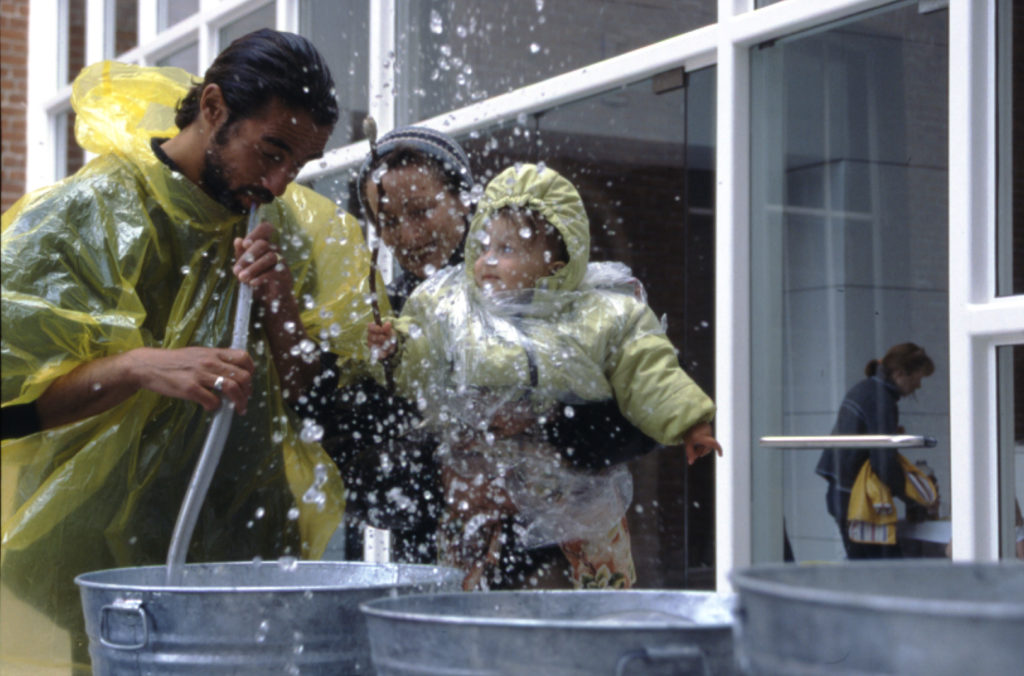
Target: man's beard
[[215, 181]]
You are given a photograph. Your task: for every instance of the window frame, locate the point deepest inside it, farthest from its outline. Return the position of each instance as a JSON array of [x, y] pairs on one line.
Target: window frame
[[979, 320]]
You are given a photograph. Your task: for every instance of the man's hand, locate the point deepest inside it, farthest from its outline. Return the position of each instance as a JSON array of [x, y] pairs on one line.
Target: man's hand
[[258, 264], [199, 374], [699, 442]]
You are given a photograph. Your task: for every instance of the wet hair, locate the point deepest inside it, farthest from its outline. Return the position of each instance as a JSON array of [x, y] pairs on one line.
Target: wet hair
[[906, 357], [262, 66]]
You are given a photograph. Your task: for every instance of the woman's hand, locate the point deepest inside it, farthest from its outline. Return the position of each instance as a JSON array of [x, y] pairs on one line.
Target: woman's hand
[[699, 442], [381, 340]]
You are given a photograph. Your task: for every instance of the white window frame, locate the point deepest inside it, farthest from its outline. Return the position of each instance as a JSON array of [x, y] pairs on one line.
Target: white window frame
[[979, 321]]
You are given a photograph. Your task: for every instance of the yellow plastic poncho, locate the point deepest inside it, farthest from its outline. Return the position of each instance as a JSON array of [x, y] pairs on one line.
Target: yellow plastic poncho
[[125, 254]]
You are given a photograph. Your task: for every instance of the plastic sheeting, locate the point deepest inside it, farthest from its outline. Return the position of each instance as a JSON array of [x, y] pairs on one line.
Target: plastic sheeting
[[125, 254]]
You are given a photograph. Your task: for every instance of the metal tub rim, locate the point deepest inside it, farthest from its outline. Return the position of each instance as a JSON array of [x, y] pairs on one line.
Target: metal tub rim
[[97, 579], [746, 580], [378, 608]]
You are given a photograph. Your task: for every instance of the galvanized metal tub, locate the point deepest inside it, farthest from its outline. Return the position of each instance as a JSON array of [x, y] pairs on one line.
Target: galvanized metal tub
[[893, 617], [554, 633], [287, 617]]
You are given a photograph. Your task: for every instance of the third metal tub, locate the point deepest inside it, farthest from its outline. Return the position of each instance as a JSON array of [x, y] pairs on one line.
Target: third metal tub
[[555, 633]]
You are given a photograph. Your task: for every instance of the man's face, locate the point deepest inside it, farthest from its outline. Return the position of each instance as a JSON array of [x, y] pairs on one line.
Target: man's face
[[252, 160]]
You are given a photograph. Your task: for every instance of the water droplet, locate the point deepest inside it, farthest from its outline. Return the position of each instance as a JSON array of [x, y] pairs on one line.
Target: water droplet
[[260, 512], [293, 514], [569, 412], [429, 269], [262, 631], [288, 563], [185, 269], [534, 48], [311, 433], [436, 25], [525, 232]]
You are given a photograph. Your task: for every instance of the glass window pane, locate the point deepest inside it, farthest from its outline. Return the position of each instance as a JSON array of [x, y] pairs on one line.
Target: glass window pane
[[170, 12], [126, 25], [70, 156], [264, 17], [76, 40], [454, 52], [643, 161], [1010, 188], [340, 30], [849, 259], [1010, 367], [187, 58]]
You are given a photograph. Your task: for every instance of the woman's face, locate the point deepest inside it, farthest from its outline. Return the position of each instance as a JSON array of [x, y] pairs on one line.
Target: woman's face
[[908, 383], [420, 219]]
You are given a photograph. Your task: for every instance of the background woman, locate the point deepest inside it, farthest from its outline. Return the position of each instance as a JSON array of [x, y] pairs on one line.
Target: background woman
[[870, 407]]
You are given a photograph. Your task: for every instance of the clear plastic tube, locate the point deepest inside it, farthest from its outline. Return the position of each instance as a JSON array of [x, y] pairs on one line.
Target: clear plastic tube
[[188, 515]]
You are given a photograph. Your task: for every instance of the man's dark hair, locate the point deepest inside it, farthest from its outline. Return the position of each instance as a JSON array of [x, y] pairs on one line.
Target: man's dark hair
[[261, 66]]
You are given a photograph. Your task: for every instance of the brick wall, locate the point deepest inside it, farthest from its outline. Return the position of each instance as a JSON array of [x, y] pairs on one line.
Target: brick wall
[[13, 90]]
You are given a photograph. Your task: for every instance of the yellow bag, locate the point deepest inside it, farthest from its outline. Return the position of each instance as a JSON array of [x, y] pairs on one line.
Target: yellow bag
[[871, 517]]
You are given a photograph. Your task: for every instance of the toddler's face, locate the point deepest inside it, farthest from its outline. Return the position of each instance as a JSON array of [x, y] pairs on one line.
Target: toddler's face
[[513, 256]]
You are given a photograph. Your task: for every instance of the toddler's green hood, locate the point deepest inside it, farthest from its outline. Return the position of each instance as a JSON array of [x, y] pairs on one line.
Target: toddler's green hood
[[545, 191]]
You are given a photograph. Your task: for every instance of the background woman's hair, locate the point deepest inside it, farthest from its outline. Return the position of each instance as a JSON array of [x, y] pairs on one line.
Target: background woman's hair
[[906, 357], [261, 66]]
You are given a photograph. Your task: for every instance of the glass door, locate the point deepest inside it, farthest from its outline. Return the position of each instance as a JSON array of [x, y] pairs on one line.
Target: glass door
[[849, 259]]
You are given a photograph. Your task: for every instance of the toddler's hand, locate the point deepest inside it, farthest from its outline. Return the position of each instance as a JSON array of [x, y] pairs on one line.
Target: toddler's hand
[[380, 339], [699, 442]]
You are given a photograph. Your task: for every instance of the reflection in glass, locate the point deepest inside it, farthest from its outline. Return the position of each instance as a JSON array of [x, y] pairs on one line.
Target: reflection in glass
[[170, 12], [1010, 385], [340, 30], [264, 17], [848, 249], [454, 52], [186, 58]]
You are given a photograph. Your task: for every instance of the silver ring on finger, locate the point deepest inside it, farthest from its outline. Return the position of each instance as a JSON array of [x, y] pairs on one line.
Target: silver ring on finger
[[218, 384]]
